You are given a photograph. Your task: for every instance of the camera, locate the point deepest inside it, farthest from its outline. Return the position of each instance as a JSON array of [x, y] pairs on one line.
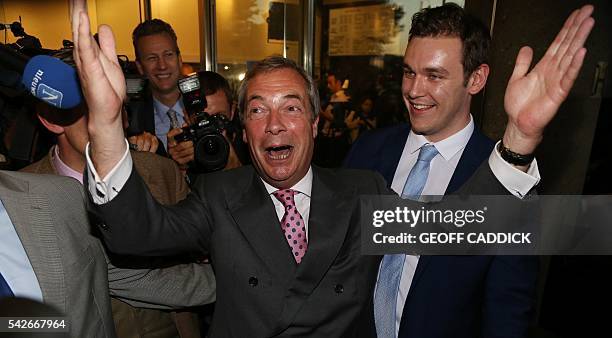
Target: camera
[[211, 148]]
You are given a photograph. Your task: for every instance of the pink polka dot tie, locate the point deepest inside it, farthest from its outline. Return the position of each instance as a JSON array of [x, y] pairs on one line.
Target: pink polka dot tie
[[292, 224]]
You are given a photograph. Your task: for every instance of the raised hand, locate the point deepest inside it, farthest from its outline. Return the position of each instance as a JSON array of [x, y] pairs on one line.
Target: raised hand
[[103, 86], [533, 97]]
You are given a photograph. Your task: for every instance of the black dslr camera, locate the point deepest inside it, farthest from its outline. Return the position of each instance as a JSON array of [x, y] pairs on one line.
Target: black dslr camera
[[211, 149]]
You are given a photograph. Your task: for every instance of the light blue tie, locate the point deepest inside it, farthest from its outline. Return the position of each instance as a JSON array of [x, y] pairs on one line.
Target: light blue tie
[[385, 299], [387, 288], [418, 175]]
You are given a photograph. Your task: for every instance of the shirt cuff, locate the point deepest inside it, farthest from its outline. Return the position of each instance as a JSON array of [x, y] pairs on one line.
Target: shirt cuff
[[104, 190], [517, 182]]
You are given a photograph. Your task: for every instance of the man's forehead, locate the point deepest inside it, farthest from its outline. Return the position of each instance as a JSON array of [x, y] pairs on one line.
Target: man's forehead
[[217, 96], [284, 83], [217, 102], [155, 40], [433, 52], [448, 43]]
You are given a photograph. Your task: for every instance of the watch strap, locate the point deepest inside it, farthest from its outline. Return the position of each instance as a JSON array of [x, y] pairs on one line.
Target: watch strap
[[514, 158]]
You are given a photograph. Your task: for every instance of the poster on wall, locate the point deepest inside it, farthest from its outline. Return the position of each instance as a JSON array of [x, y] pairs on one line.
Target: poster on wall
[[362, 30]]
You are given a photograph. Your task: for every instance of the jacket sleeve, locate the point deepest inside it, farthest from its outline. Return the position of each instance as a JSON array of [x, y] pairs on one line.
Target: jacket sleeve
[[177, 286], [134, 223]]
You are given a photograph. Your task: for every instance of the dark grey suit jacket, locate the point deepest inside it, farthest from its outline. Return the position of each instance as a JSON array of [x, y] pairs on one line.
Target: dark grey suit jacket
[[261, 292]]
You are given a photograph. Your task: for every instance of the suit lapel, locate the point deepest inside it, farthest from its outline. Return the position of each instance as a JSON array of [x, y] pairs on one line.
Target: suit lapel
[[256, 217], [30, 215], [330, 211], [331, 206]]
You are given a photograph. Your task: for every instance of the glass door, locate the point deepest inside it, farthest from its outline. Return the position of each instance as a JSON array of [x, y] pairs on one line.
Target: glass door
[[246, 31]]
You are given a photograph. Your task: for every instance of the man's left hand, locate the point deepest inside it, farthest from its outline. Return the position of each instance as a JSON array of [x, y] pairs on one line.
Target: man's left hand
[[533, 98], [144, 142]]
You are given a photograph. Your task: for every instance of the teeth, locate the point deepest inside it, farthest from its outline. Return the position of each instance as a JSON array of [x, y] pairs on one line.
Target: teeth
[[279, 157], [279, 153], [421, 106]]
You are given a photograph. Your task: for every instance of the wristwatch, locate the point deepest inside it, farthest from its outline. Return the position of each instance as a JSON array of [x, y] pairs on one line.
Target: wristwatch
[[512, 157]]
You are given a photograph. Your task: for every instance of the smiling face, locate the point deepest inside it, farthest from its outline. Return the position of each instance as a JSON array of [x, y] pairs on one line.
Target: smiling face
[[434, 87], [279, 126], [159, 61]]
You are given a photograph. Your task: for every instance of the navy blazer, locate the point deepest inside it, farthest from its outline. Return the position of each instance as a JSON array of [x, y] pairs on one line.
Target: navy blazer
[[455, 296]]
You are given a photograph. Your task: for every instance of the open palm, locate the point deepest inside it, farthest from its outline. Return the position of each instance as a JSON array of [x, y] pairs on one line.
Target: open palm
[[99, 71], [103, 86], [533, 98]]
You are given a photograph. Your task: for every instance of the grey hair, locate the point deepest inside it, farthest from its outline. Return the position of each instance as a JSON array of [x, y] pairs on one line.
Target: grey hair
[[272, 63]]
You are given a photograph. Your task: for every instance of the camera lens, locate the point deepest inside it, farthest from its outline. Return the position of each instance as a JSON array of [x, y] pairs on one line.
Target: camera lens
[[211, 152], [211, 147]]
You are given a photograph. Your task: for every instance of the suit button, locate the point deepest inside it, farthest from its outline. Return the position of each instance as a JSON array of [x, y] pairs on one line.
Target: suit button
[[253, 281], [338, 288]]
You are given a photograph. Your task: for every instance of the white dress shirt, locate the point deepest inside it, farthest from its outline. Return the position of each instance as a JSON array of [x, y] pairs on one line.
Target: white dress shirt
[[442, 165], [302, 198], [441, 171]]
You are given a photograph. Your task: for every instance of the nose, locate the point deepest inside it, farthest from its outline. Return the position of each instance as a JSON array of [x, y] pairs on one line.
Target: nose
[[161, 63], [414, 87], [275, 122]]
